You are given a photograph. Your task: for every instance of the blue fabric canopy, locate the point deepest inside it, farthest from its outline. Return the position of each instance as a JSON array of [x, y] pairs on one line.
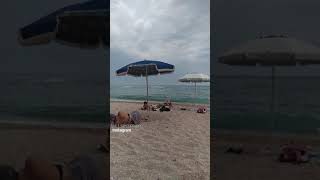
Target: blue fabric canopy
[[84, 24], [145, 68]]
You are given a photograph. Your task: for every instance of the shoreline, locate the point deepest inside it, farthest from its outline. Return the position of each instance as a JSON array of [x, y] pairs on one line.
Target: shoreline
[[260, 132], [255, 137], [141, 101], [50, 125]]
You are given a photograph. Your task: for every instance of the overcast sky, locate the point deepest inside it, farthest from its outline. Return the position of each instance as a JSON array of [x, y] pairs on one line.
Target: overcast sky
[[173, 31], [237, 21]]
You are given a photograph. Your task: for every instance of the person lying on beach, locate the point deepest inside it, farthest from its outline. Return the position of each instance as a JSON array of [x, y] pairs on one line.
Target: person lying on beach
[[202, 109], [112, 119], [235, 150], [145, 106], [165, 108], [81, 168], [168, 103], [154, 108], [123, 118], [293, 153]]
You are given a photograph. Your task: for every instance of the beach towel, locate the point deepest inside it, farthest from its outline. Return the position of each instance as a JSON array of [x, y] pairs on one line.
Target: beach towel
[[135, 117]]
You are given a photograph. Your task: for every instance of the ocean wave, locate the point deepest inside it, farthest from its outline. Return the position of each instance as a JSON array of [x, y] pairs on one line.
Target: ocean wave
[[177, 93]]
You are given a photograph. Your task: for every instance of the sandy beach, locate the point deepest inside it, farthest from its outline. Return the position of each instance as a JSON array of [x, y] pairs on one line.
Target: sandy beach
[[169, 145], [259, 160], [56, 143]]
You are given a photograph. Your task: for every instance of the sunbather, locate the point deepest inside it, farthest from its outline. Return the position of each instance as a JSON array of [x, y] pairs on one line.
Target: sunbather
[[145, 106], [81, 168], [165, 108], [123, 118], [202, 110], [112, 119], [156, 107], [294, 153], [168, 103]]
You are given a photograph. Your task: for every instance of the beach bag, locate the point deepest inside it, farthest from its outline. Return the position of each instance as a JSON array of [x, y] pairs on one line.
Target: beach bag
[[135, 117]]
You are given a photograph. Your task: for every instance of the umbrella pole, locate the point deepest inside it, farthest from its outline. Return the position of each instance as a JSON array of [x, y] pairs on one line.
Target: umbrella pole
[[147, 88], [273, 98], [195, 93], [147, 84]]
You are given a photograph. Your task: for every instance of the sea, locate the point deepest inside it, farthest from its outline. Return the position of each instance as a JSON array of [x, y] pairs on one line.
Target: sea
[[244, 103], [179, 93], [238, 103], [79, 98], [52, 97]]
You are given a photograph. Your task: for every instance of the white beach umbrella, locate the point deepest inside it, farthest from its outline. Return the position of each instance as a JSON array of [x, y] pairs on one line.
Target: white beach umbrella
[[272, 51], [195, 78]]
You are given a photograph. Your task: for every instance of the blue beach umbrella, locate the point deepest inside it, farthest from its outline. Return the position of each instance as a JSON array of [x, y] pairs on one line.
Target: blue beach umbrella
[[145, 68], [83, 25]]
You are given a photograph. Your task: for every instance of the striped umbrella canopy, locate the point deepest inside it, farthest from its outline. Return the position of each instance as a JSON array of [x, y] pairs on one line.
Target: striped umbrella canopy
[[195, 78], [84, 25], [145, 68], [274, 50]]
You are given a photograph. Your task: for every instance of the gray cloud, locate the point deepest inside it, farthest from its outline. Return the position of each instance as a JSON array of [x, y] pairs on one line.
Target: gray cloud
[[235, 22], [170, 30]]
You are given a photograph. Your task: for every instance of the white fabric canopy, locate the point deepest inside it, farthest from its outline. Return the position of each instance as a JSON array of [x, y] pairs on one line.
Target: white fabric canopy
[[277, 50], [195, 77]]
